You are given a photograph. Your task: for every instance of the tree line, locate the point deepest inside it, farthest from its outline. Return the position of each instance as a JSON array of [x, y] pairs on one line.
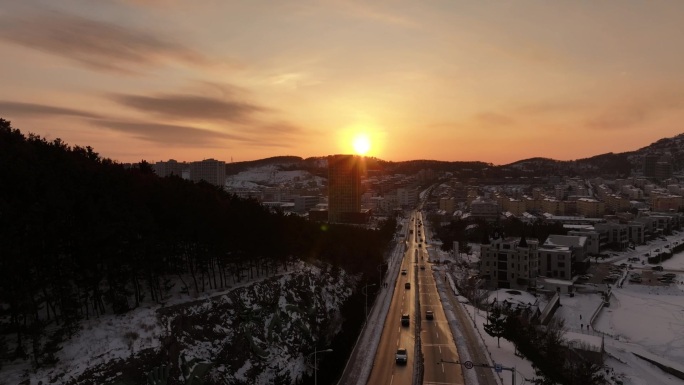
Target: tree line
[[81, 236]]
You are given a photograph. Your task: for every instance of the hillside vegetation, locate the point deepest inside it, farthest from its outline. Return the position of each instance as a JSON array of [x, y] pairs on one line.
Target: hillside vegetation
[[82, 237]]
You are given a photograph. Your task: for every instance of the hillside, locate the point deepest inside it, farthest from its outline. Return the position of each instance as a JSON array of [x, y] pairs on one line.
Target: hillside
[[86, 242], [257, 333]]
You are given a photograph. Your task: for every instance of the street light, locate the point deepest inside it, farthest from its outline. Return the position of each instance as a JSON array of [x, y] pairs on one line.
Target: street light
[[365, 293], [316, 362], [379, 268]]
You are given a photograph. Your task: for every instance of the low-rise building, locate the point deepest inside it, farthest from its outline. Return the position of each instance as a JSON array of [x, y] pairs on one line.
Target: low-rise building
[[509, 263]]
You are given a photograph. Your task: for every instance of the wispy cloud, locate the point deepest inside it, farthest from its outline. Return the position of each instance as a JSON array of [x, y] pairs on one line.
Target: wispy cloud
[[95, 44], [8, 109], [639, 110], [192, 107], [171, 134]]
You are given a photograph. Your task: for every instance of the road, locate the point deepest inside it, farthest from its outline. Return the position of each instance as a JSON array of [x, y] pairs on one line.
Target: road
[[437, 342], [394, 335]]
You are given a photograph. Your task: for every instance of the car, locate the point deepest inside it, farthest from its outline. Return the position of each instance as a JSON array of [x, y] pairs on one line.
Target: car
[[419, 245], [657, 268], [401, 357], [667, 246], [405, 320], [657, 250], [422, 267], [429, 314], [669, 275], [404, 272], [407, 285]]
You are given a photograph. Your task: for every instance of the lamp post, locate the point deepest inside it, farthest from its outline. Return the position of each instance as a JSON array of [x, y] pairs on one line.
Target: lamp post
[[379, 268], [365, 293], [315, 353]]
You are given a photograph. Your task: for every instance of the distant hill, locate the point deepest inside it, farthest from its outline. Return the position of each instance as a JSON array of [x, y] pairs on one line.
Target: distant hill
[[618, 164]]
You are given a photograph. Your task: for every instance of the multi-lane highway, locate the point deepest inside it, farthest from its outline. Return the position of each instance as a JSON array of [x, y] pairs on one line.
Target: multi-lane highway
[[394, 334], [437, 342]]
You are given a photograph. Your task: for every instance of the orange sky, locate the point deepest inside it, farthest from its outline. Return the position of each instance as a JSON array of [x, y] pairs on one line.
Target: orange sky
[[493, 81]]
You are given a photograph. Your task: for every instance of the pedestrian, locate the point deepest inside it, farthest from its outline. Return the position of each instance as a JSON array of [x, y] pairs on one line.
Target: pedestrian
[[582, 326], [580, 317]]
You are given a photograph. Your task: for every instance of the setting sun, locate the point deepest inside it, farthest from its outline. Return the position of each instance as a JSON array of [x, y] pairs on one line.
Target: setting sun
[[362, 144]]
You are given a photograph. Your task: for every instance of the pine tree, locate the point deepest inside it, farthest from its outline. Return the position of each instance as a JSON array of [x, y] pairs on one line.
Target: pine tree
[[496, 326]]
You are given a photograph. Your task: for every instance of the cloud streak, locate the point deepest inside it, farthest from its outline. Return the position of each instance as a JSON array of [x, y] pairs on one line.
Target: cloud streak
[[192, 107], [640, 110], [33, 109], [94, 44], [171, 134]]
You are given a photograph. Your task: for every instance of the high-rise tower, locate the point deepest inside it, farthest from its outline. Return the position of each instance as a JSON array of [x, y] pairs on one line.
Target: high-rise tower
[[344, 187]]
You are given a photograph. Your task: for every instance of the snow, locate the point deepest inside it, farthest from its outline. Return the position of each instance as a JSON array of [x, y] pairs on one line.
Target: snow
[[641, 320], [270, 175]]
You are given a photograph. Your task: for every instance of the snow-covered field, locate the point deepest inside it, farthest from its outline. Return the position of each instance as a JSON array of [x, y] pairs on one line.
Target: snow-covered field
[[641, 319]]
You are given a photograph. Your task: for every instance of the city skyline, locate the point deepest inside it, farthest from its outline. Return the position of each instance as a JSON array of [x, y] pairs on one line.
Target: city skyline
[[453, 81]]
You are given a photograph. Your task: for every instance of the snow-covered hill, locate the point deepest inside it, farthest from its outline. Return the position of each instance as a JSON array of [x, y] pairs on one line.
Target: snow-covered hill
[[254, 333]]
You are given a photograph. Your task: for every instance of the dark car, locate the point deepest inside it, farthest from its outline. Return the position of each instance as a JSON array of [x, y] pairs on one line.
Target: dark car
[[429, 314], [657, 268], [401, 357], [422, 267], [407, 285], [403, 272], [405, 320]]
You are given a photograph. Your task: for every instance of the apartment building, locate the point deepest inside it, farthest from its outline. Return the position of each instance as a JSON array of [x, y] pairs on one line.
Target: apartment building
[[170, 167], [666, 202], [407, 197], [209, 170], [617, 235], [563, 256], [485, 209], [509, 263], [591, 208], [593, 239], [447, 204], [344, 187], [303, 204]]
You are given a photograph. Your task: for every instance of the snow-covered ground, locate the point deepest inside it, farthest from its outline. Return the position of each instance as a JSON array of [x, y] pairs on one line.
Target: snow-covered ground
[[641, 319], [271, 175]]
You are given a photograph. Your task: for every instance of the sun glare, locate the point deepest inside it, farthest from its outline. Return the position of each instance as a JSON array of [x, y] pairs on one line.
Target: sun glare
[[361, 144]]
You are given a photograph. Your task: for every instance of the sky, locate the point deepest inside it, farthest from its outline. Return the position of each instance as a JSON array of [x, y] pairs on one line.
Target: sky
[[454, 80]]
